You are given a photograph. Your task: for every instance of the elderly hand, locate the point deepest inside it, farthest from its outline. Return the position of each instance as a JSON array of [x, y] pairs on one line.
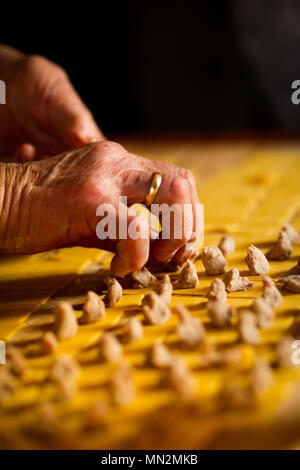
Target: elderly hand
[[43, 114], [52, 203]]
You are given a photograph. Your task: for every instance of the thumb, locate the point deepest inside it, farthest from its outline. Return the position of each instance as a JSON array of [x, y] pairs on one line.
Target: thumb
[[132, 252]]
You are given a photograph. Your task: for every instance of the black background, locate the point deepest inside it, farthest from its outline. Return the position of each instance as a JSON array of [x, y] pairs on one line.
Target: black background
[[157, 66]]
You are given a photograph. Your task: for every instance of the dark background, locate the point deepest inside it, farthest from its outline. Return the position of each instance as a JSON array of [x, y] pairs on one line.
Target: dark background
[[173, 65]]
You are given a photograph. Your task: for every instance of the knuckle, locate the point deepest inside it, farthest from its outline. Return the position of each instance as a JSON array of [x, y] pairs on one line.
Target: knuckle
[[35, 62], [189, 176], [179, 187], [61, 71], [109, 147], [96, 147]]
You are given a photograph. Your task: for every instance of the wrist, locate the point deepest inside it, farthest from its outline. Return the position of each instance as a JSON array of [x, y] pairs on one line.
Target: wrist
[[14, 180]]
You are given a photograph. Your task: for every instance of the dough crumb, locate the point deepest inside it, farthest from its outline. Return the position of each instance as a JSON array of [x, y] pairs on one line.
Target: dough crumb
[[65, 321], [133, 330], [15, 361], [160, 355], [47, 423], [291, 283], [188, 278], [7, 383], [217, 291], [172, 266], [142, 278], [285, 352], [93, 309], [263, 311], [164, 289], [122, 385], [231, 356], [97, 415], [114, 291], [283, 248], [227, 245], [247, 328], [291, 233], [256, 261], [262, 376], [295, 269], [213, 260], [64, 372], [190, 329], [181, 379], [155, 309], [110, 348], [271, 294], [235, 395], [210, 357], [49, 343], [234, 282], [219, 313]]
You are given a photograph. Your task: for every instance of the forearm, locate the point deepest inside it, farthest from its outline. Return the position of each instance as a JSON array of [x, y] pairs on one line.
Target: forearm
[[12, 183]]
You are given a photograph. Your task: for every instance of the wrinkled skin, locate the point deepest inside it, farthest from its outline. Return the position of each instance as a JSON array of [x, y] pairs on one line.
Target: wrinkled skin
[[48, 203], [52, 203]]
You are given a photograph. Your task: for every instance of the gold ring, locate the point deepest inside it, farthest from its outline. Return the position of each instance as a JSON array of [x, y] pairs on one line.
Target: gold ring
[[155, 184]]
